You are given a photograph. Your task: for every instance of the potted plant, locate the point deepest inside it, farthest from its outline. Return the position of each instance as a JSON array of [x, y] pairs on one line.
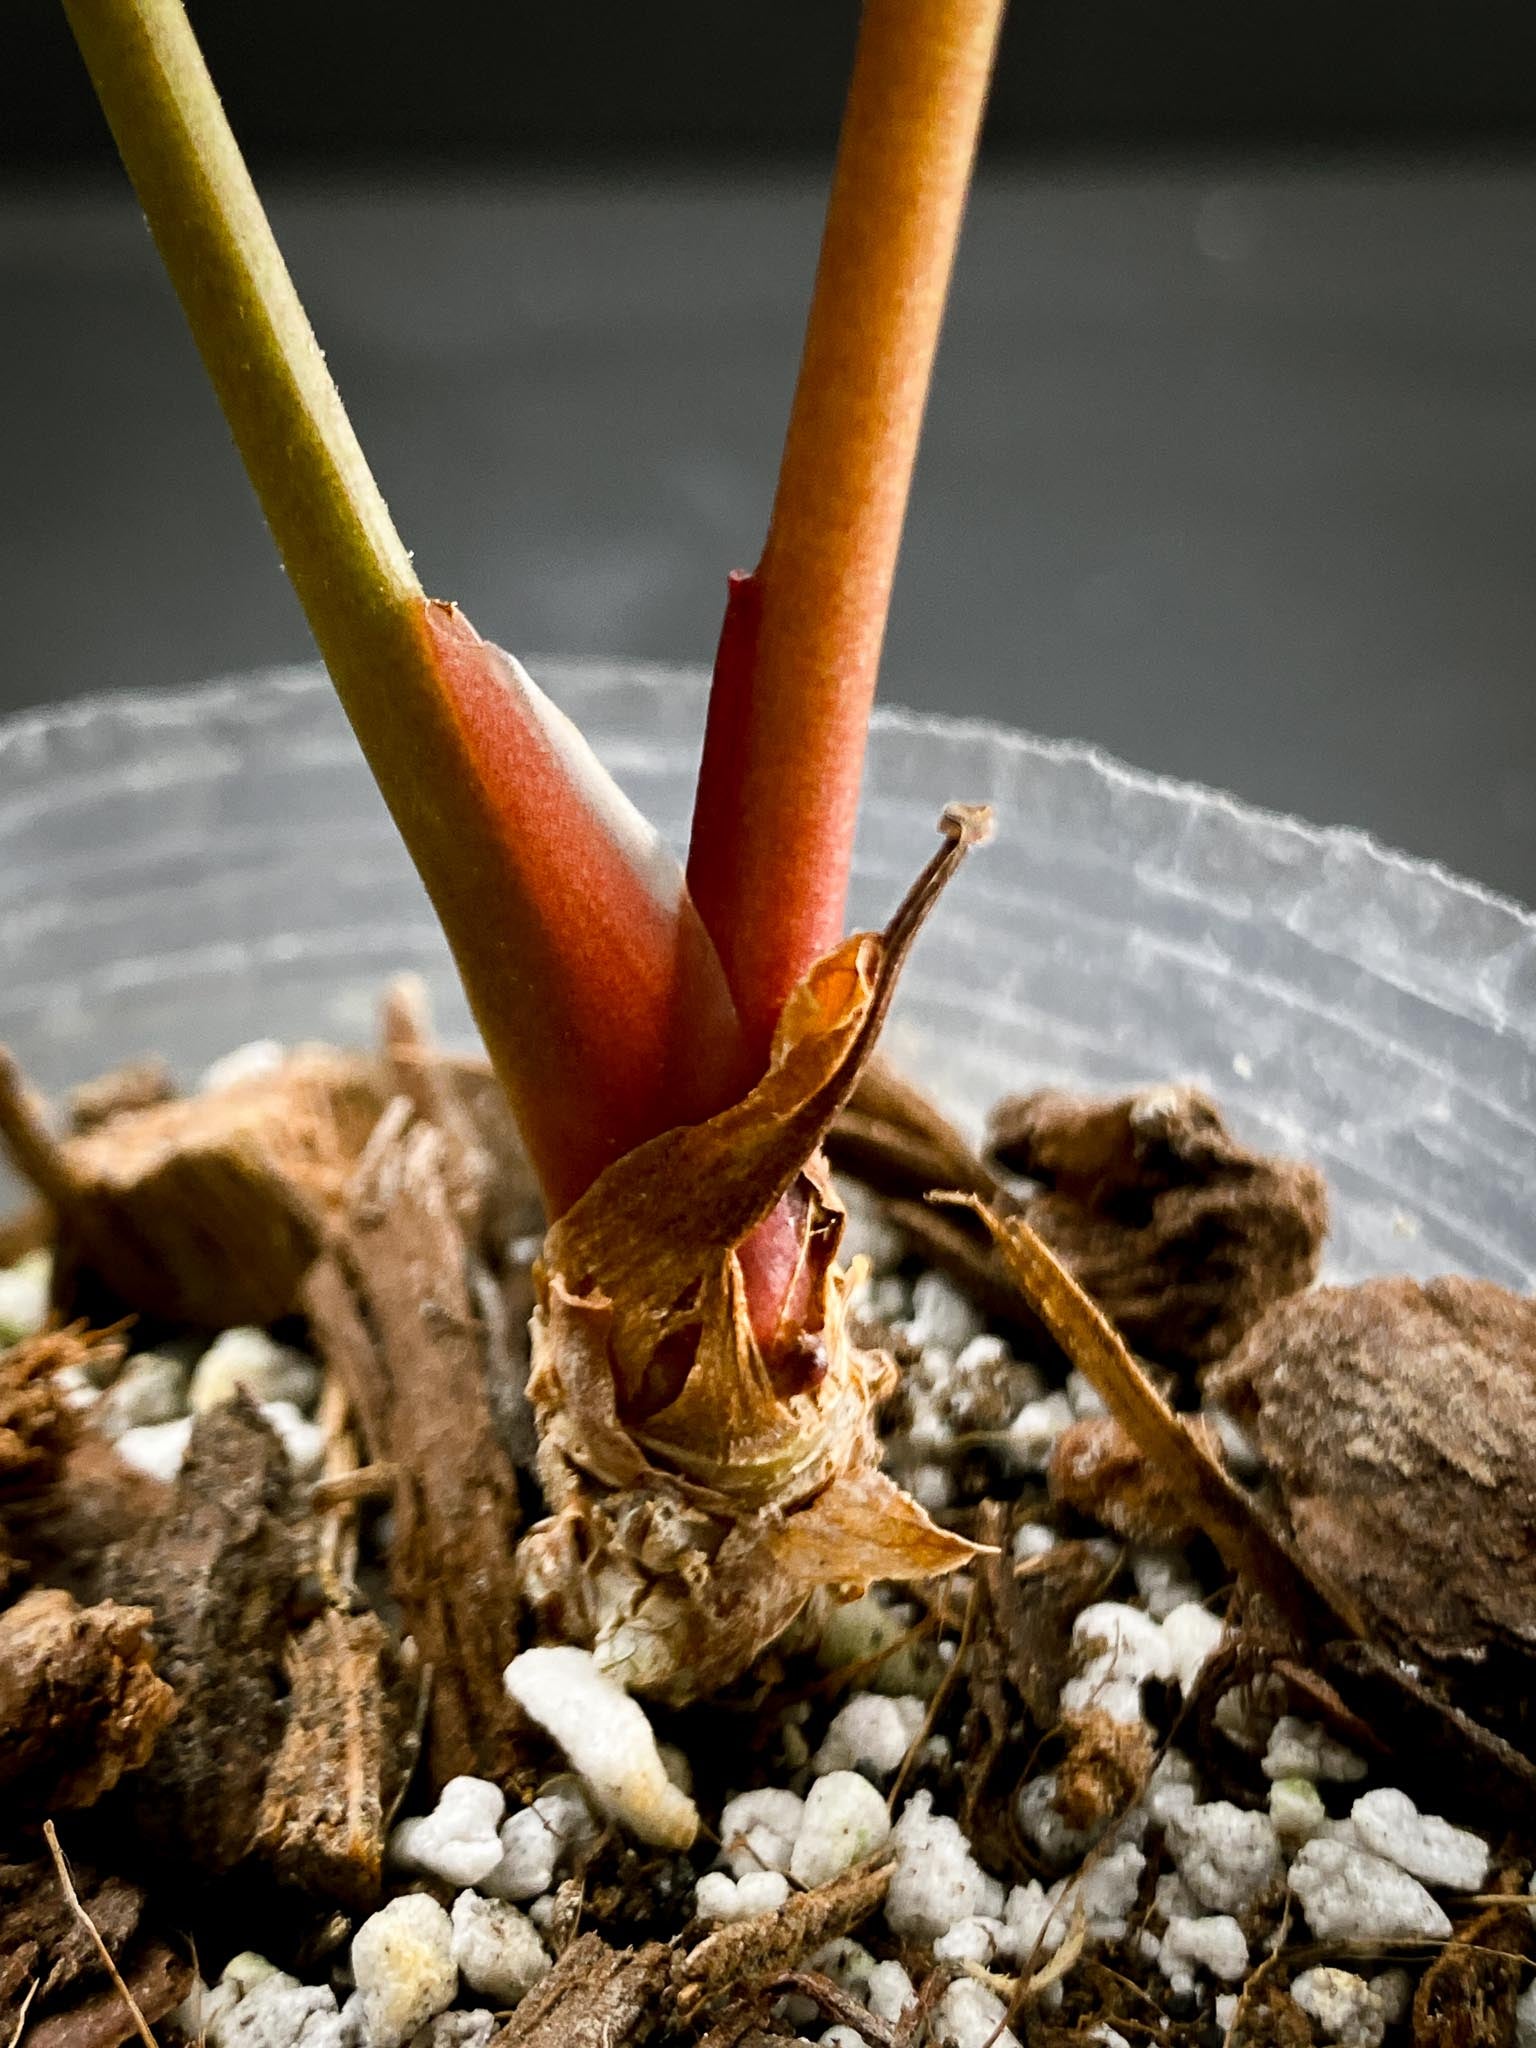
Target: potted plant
[[673, 1498]]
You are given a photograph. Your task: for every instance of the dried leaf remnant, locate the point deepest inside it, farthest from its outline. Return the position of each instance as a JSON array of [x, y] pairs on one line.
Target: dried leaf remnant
[[702, 1489]]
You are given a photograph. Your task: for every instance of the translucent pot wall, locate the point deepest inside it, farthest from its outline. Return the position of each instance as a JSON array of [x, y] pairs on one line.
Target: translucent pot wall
[[182, 872]]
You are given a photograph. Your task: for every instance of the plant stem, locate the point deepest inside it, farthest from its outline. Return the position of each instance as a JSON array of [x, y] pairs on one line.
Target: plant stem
[[795, 678], [345, 560], [597, 993]]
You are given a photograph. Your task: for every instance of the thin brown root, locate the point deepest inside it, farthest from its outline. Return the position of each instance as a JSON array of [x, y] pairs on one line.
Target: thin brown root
[[21, 2018], [1256, 1977], [72, 1898], [941, 1693]]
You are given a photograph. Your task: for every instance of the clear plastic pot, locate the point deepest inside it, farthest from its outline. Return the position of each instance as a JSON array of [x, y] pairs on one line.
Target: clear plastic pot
[[180, 873]]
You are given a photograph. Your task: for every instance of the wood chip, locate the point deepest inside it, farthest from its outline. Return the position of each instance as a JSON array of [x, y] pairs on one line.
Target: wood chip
[[1466, 1998], [50, 1966], [158, 1981], [594, 1997], [39, 1430], [771, 1943], [1099, 1470], [1180, 1234], [218, 1569], [1398, 1422], [391, 1307], [207, 1210], [143, 1084], [80, 1702], [346, 1753]]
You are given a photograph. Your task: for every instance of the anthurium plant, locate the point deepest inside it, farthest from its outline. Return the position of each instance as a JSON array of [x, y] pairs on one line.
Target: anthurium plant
[[673, 1043]]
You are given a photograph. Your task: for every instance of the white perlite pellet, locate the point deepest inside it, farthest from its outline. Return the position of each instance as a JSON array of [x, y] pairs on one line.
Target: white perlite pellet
[[970, 1941], [1300, 1749], [1106, 1890], [937, 1881], [1163, 1580], [24, 1296], [1033, 1431], [269, 2010], [891, 1991], [758, 1829], [1345, 2007], [1084, 1396], [609, 1742], [1032, 1539], [497, 1948], [721, 1899], [1525, 2017], [248, 1361], [1174, 1787], [1193, 1636], [871, 1733], [941, 1315], [1297, 1810], [1211, 1941], [1247, 1714], [303, 1440], [157, 1447], [848, 1963], [863, 1628], [1230, 1859], [971, 2016], [539, 1840], [151, 1388], [457, 1841], [403, 1966], [1394, 1991], [1118, 1649], [1348, 1894], [844, 1821], [1034, 1923], [1389, 1824], [842, 2037], [243, 1063]]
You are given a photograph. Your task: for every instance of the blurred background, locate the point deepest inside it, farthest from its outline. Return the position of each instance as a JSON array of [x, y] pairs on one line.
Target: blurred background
[[1231, 464]]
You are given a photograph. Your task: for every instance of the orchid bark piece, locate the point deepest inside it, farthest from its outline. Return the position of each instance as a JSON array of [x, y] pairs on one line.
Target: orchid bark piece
[[800, 648], [601, 1002], [699, 1501]]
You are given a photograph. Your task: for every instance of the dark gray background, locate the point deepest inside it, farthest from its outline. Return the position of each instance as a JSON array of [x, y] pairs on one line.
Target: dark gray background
[[1232, 458]]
